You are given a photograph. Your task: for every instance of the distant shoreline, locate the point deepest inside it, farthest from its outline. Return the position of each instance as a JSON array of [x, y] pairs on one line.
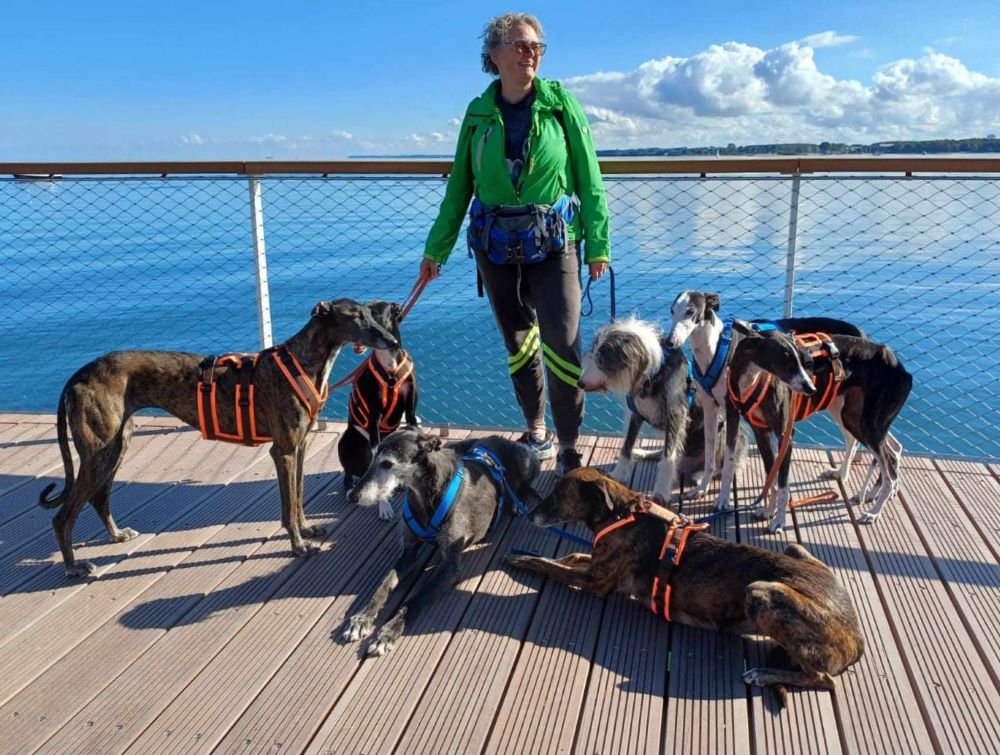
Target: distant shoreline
[[984, 146]]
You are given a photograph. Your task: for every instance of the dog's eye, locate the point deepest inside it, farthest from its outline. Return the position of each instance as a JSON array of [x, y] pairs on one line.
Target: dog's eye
[[386, 464]]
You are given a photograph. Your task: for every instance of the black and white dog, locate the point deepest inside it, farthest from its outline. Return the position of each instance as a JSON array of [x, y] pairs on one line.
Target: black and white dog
[[383, 394], [453, 502], [870, 392], [631, 359], [693, 315]]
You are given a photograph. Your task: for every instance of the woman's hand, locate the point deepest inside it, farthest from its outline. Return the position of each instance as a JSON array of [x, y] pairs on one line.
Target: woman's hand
[[597, 269], [429, 268]]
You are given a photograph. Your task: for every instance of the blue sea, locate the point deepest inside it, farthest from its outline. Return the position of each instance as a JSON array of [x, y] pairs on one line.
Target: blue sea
[[91, 265]]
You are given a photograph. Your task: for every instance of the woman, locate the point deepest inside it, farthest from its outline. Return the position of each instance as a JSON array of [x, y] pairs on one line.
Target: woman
[[525, 141]]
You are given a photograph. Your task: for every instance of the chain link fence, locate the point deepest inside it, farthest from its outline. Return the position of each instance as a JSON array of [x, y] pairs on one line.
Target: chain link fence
[[92, 264]]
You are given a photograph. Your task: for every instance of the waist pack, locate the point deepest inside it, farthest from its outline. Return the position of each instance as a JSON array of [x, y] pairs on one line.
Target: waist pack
[[519, 235]]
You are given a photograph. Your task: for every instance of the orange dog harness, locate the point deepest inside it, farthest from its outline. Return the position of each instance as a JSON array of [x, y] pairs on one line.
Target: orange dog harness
[[388, 386], [817, 348], [671, 552], [246, 421]]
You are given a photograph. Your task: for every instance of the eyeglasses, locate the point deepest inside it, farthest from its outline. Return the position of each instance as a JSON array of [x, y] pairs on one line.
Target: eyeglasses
[[524, 47]]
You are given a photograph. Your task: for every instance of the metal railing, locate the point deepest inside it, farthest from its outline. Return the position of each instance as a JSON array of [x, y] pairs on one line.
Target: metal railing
[[174, 256]]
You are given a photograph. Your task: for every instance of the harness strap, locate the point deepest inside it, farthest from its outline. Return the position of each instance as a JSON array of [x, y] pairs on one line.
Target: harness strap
[[311, 398], [670, 558], [710, 377], [206, 393], [689, 391], [495, 468], [428, 533], [750, 400], [612, 527]]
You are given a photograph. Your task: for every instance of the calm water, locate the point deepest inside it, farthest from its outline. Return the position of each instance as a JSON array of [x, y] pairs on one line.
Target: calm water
[[87, 266]]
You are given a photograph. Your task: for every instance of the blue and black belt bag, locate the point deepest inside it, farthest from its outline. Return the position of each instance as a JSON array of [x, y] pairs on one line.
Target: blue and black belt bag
[[519, 235]]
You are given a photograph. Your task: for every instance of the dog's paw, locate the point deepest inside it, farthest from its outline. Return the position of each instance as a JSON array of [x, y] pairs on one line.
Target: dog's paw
[[124, 535], [312, 530], [760, 514], [776, 527], [81, 569], [754, 677], [830, 474], [383, 645], [385, 511], [358, 627], [868, 518], [303, 549], [693, 494], [721, 506], [517, 561]]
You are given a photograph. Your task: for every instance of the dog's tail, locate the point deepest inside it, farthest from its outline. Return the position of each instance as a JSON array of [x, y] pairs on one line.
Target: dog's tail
[[777, 657], [63, 433]]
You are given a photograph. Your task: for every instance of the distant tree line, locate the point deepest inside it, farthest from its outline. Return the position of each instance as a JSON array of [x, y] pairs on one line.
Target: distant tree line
[[933, 146]]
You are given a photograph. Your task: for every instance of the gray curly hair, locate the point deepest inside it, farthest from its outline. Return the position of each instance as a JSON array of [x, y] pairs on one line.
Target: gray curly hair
[[495, 34]]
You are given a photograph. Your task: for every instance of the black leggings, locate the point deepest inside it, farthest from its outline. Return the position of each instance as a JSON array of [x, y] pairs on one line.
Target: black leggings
[[537, 308]]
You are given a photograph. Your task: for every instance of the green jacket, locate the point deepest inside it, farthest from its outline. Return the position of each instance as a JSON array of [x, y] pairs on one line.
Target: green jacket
[[550, 172]]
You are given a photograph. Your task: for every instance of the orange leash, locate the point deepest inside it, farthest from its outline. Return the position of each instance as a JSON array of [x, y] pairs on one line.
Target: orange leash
[[418, 288]]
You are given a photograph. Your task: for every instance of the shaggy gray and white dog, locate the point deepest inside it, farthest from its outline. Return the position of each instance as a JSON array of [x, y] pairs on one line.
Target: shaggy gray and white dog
[[630, 359]]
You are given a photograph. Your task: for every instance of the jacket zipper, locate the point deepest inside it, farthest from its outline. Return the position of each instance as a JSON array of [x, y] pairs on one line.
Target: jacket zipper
[[479, 149]]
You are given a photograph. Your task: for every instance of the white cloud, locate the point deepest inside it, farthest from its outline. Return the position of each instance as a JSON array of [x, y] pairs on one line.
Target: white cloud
[[735, 92], [828, 39]]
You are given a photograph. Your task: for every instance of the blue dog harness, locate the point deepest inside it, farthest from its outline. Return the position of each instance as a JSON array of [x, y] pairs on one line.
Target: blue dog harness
[[427, 534], [711, 376], [477, 455], [667, 353]]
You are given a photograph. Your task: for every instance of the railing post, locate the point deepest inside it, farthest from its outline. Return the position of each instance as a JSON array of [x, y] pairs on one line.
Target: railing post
[[260, 263], [793, 224]]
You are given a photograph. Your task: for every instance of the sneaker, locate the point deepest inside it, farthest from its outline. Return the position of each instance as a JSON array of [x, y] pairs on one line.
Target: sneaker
[[567, 461], [543, 448]]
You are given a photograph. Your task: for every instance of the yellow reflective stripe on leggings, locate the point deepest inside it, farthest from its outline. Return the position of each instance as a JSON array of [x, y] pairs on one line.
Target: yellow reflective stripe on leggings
[[565, 371], [526, 352]]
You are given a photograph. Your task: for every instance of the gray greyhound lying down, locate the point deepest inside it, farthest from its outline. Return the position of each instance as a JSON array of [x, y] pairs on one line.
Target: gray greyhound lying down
[[415, 460], [99, 400]]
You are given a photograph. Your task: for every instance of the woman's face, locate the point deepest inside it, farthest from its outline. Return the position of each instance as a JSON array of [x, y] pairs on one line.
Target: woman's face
[[519, 56]]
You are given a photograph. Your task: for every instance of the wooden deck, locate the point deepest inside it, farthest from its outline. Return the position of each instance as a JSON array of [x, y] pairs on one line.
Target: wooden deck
[[204, 634]]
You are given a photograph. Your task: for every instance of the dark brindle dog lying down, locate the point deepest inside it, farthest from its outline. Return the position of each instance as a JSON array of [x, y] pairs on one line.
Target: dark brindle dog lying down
[[685, 574], [455, 497], [286, 386]]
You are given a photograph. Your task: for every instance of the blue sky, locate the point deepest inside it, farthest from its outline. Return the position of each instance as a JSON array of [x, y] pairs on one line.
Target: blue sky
[[296, 80]]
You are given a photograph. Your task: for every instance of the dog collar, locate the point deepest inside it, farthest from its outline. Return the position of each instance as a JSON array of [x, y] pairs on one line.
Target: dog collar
[[711, 376], [428, 533]]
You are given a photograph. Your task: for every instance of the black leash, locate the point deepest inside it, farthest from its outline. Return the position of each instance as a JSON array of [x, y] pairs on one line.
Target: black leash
[[590, 302]]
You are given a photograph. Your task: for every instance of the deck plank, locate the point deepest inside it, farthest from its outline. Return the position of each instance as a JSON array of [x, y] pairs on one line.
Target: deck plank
[[205, 635], [959, 698], [707, 699], [808, 724], [877, 706], [964, 561], [46, 586], [978, 492], [541, 705], [133, 665], [458, 707]]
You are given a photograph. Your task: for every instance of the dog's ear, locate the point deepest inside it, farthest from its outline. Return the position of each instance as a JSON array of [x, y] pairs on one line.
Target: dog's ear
[[322, 309], [600, 500], [396, 311], [712, 301], [428, 443]]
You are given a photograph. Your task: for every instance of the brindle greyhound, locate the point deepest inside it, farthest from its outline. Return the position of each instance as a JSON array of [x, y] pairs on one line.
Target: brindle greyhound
[[99, 400], [792, 597]]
